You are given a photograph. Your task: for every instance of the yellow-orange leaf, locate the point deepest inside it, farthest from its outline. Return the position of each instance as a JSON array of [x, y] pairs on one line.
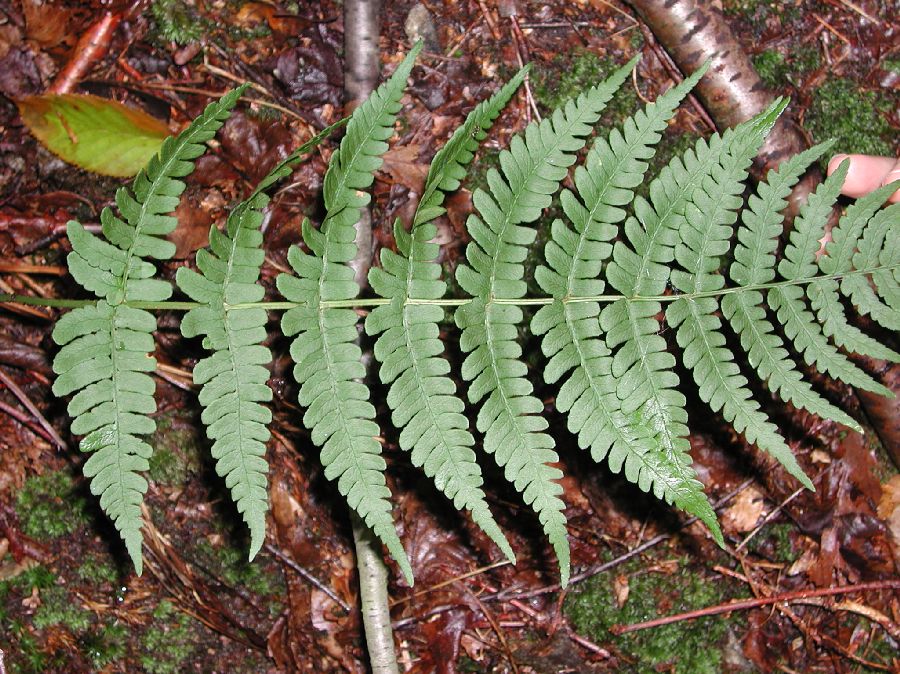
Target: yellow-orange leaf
[[94, 133]]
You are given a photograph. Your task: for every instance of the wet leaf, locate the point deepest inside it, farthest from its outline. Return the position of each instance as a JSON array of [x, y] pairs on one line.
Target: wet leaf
[[94, 133]]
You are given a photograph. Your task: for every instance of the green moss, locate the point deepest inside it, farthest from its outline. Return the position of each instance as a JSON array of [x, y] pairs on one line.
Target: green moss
[[774, 542], [775, 70], [177, 21], [28, 657], [59, 607], [39, 577], [176, 454], [891, 65], [693, 647], [105, 646], [230, 564], [853, 117], [169, 642], [771, 66], [50, 506], [97, 570], [569, 75]]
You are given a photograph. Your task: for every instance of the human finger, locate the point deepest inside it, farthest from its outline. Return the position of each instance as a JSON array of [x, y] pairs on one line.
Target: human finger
[[867, 173]]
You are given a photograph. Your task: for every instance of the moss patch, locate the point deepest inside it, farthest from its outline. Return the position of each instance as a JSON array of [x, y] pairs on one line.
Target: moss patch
[[852, 117], [106, 646], [50, 506], [168, 642], [60, 608], [230, 564], [775, 70], [694, 647], [176, 454], [567, 76], [177, 21]]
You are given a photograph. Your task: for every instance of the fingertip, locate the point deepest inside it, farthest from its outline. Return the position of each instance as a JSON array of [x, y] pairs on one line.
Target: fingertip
[[836, 161]]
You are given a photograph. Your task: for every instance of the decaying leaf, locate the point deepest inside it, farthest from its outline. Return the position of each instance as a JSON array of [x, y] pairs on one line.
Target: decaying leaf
[[94, 133]]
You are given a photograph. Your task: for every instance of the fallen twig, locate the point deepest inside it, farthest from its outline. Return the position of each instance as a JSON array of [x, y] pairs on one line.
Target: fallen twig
[[745, 604], [308, 576], [23, 398], [92, 46]]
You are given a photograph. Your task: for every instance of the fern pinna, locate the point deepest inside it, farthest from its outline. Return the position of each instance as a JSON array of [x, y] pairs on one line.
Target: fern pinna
[[106, 347], [686, 257]]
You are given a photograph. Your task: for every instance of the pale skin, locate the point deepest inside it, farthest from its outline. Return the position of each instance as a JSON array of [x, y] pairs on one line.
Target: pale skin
[[867, 173]]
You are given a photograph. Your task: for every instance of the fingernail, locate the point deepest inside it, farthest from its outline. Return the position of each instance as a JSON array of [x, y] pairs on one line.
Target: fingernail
[[836, 161], [891, 176]]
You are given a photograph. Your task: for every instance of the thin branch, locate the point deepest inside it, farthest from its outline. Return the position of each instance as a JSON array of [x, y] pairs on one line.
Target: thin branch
[[745, 604], [23, 398], [308, 576]]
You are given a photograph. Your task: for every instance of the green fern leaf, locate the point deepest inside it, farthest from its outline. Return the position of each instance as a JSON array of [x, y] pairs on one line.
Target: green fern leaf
[[823, 294], [106, 348], [876, 250], [754, 264], [532, 170], [234, 377], [422, 397], [643, 368], [887, 281], [329, 361], [588, 395], [705, 237], [799, 262]]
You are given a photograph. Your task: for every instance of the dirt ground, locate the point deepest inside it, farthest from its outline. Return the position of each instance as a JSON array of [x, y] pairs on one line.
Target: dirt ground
[[69, 599]]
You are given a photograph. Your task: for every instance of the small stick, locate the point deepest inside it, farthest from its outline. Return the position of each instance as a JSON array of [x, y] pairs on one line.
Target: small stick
[[30, 406], [92, 46], [308, 576], [489, 19], [785, 598], [25, 268], [474, 572], [24, 419], [856, 8]]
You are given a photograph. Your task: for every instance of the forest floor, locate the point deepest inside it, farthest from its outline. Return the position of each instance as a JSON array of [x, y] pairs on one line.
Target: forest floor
[[69, 599]]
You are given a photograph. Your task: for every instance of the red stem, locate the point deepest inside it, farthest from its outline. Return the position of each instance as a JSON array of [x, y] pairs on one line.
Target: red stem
[[754, 603]]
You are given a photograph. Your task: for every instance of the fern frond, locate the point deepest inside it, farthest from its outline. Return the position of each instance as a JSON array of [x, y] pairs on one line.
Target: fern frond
[[799, 262], [754, 263], [106, 349], [329, 361], [422, 397], [234, 377], [531, 172], [575, 258]]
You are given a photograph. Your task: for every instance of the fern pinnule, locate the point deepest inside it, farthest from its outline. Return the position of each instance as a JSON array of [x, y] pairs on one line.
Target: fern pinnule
[[422, 397], [532, 170], [575, 259], [787, 301], [754, 264], [329, 364], [106, 348]]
